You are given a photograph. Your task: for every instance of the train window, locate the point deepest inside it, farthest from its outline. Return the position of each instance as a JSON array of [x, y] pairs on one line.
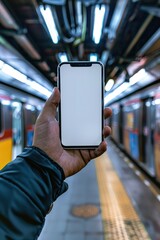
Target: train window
[[130, 120], [6, 115], [31, 115], [136, 117], [158, 112], [17, 128], [158, 119], [115, 116], [158, 127]]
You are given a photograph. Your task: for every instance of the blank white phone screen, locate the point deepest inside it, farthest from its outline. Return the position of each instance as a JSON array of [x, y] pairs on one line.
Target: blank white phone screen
[[81, 105]]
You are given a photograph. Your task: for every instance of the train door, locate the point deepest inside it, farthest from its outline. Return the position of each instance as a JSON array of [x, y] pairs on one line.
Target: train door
[[121, 125], [148, 134], [157, 138], [17, 128]]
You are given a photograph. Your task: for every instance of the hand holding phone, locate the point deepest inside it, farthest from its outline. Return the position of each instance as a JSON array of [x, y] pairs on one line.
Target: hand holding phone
[[46, 137], [81, 105]]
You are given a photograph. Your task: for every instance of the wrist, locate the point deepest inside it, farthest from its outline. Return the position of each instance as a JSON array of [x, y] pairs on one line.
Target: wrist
[[50, 158]]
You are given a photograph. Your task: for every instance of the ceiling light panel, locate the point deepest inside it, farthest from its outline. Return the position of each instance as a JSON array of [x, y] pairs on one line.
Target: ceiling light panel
[[93, 57], [98, 22], [49, 20], [62, 57], [109, 85]]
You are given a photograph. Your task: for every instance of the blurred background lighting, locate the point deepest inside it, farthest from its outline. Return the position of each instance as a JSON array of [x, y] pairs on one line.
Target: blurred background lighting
[[49, 20], [140, 75], [12, 72], [116, 92], [62, 57], [93, 57], [109, 85], [98, 23]]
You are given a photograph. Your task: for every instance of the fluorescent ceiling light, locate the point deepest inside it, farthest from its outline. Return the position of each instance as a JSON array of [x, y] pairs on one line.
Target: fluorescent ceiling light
[[49, 20], [140, 75], [93, 57], [109, 85], [79, 12], [40, 88], [62, 57], [116, 92], [7, 69], [1, 64], [98, 23]]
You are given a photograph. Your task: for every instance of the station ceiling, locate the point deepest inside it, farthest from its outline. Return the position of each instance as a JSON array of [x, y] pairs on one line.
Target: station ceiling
[[130, 33]]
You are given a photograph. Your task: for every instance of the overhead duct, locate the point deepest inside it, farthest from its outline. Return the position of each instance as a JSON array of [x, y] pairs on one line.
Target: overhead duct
[[116, 19], [6, 19], [155, 38], [10, 24], [53, 2], [27, 46], [139, 34]]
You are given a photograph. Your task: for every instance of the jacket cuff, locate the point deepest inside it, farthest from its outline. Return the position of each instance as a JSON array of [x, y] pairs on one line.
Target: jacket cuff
[[41, 161]]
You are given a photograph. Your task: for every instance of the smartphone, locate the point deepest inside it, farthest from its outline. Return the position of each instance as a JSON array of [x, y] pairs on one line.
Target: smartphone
[[81, 87]]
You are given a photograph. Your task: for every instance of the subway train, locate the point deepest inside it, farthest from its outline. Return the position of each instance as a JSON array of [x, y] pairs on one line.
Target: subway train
[[18, 113], [135, 124]]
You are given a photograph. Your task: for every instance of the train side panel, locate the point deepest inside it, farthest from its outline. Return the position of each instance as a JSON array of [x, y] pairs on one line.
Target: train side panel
[[18, 115], [136, 128], [5, 132]]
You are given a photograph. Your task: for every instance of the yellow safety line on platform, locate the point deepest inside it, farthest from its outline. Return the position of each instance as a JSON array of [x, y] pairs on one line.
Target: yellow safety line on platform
[[120, 219]]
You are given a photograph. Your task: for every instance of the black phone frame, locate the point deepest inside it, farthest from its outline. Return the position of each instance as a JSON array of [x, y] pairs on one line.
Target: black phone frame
[[75, 64]]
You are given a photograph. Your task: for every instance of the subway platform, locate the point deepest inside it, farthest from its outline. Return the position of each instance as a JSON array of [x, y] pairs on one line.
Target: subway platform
[[108, 200]]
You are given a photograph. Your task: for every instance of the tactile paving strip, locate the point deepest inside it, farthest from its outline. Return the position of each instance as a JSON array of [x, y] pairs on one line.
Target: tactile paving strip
[[120, 220]]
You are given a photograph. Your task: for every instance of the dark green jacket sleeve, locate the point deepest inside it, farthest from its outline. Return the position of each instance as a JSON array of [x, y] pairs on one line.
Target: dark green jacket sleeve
[[28, 187]]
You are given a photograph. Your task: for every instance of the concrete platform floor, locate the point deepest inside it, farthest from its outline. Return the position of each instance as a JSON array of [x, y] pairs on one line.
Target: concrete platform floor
[[62, 225], [80, 213]]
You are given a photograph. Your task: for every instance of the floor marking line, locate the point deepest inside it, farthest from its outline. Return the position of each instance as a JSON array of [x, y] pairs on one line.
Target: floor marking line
[[119, 217]]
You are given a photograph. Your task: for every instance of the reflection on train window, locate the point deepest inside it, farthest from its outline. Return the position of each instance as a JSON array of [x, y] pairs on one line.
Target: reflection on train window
[[115, 115], [30, 115], [158, 119], [17, 126], [6, 115], [30, 118], [157, 111]]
